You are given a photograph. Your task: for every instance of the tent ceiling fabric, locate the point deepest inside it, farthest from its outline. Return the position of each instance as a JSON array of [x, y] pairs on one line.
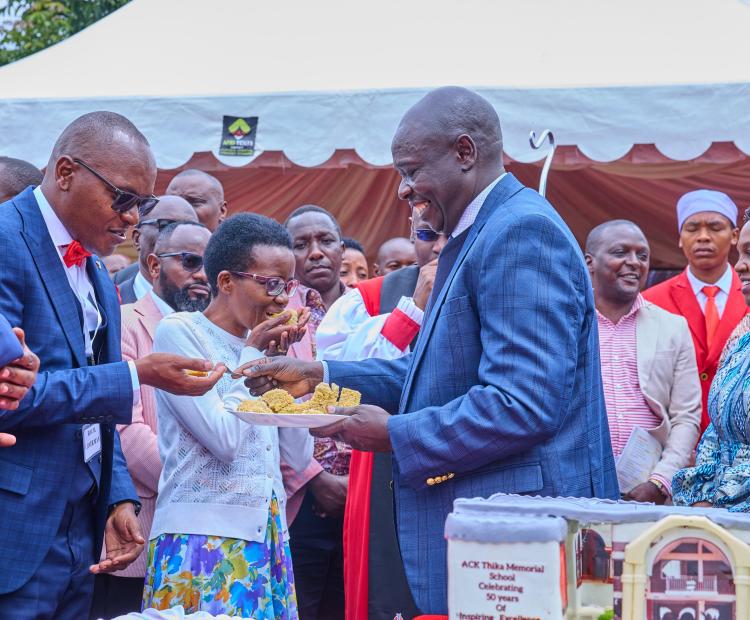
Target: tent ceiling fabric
[[333, 75]]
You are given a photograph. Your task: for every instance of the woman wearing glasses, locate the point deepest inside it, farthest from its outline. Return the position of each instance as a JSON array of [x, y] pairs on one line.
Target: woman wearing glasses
[[219, 540]]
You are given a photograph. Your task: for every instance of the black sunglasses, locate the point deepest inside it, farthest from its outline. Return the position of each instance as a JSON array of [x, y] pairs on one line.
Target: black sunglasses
[[426, 234], [190, 262], [124, 200], [160, 223], [274, 286]]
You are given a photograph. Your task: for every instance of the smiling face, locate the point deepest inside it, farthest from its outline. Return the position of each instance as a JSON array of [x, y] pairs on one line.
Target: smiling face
[[706, 239], [83, 202], [318, 250], [182, 290], [619, 264], [743, 262], [353, 267], [249, 300]]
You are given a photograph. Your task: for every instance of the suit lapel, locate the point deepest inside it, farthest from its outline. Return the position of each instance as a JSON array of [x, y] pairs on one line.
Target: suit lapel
[[504, 190], [684, 298], [646, 337], [52, 273], [150, 315]]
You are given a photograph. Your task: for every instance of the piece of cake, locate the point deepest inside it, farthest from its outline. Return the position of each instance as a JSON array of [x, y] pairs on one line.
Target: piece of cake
[[278, 400], [292, 320], [254, 406], [349, 398], [196, 373], [323, 396]]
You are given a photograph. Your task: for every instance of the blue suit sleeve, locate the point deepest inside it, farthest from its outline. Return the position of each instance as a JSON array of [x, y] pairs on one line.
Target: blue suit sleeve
[[122, 488], [379, 381], [530, 305]]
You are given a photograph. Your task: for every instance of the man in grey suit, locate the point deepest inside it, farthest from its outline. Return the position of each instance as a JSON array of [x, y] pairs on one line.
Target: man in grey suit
[[503, 391], [136, 281]]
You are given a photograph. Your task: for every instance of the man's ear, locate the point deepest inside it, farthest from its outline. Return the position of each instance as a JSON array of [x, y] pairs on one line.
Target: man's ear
[[376, 269], [64, 173], [589, 263], [466, 152], [223, 209], [136, 237], [154, 266]]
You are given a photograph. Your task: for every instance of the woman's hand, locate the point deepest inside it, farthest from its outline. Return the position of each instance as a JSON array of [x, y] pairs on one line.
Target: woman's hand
[[275, 336]]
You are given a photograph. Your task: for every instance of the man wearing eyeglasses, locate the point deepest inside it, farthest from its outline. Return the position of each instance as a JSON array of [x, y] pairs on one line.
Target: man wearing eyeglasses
[[179, 285], [64, 486], [135, 283]]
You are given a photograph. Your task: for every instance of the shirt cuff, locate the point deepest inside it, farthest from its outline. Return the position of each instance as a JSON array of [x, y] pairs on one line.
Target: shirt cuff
[[136, 383], [667, 484], [325, 371], [402, 325]]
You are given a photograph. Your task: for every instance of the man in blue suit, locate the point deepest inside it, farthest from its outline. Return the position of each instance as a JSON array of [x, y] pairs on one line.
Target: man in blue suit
[[503, 392], [64, 485]]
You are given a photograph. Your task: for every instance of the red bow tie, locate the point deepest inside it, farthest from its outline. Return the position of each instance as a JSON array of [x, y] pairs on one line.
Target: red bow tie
[[75, 254]]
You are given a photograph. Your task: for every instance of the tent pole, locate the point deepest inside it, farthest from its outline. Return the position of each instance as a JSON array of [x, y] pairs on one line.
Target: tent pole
[[536, 145]]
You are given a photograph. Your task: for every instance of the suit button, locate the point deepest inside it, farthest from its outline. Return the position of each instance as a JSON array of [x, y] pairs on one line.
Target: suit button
[[443, 478], [704, 376], [430, 482]]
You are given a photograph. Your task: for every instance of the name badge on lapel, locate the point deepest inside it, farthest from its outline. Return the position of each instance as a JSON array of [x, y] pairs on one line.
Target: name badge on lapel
[[92, 441]]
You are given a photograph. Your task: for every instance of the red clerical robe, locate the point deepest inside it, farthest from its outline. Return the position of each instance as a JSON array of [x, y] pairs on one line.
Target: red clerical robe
[[676, 295]]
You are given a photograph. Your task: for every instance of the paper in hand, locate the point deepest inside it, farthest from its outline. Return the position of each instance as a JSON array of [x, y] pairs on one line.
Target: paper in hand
[[638, 459]]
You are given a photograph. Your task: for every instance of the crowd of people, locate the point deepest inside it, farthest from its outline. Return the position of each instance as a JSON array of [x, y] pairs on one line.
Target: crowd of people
[[492, 354]]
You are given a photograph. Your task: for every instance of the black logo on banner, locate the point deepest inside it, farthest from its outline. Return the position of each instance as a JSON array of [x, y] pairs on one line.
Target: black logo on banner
[[238, 137]]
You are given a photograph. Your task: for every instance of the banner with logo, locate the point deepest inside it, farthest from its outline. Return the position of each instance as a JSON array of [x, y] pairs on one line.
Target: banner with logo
[[238, 137]]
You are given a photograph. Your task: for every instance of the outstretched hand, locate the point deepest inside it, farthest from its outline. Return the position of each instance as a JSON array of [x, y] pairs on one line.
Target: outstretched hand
[[365, 428], [295, 376], [123, 538], [169, 372], [17, 377]]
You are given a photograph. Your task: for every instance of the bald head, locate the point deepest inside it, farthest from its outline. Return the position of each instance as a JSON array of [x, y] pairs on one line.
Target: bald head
[[204, 192], [602, 233], [395, 254], [448, 147], [171, 208], [15, 176]]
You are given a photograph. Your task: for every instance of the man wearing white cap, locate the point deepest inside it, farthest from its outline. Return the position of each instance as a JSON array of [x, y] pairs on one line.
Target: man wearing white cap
[[708, 292]]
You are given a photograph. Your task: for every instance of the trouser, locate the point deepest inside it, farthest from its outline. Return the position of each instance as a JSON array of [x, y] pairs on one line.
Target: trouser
[[116, 596], [318, 559], [62, 587]]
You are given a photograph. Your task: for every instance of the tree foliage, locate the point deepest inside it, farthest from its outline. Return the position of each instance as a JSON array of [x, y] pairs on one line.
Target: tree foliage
[[27, 26]]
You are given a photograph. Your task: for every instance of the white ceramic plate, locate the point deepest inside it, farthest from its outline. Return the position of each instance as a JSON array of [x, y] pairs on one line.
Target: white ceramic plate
[[292, 420]]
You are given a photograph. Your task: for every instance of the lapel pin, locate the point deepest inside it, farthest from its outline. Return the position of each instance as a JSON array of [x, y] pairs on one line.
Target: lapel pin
[[98, 265]]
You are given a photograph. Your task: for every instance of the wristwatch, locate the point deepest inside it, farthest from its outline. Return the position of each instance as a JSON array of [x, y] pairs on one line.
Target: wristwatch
[[136, 506]]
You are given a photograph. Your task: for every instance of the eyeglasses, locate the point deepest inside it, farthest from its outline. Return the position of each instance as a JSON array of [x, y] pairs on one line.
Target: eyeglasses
[[190, 262], [426, 234], [274, 286], [124, 201], [160, 223]]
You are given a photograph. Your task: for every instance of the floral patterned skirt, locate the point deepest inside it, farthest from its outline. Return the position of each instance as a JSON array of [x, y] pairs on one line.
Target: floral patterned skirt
[[223, 575]]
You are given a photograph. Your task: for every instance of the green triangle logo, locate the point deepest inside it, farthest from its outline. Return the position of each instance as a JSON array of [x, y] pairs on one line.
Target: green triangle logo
[[239, 128]]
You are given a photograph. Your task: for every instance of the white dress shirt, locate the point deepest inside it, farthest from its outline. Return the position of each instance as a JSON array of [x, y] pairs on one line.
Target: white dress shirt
[[79, 283], [724, 283], [141, 286], [163, 306]]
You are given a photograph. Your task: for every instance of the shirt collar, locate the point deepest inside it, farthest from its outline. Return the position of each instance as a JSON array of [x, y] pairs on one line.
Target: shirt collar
[[472, 209], [141, 286], [637, 305], [60, 235], [162, 305], [724, 283]]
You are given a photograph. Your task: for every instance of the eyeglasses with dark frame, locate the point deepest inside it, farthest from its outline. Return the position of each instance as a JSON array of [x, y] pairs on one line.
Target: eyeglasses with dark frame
[[274, 286], [426, 234], [124, 200], [191, 262], [160, 223]]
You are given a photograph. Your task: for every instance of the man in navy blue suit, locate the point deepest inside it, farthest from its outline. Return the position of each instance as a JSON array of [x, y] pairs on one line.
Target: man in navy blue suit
[[64, 485], [503, 391]]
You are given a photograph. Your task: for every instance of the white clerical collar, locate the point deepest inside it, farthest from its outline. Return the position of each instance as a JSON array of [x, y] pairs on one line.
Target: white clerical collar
[[162, 305], [472, 210], [60, 235], [724, 282]]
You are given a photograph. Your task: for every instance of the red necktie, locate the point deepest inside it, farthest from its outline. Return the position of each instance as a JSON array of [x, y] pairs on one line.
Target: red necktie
[[711, 312], [75, 254]]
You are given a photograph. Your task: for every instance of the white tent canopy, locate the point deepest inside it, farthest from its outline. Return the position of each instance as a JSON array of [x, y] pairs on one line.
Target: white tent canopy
[[334, 74]]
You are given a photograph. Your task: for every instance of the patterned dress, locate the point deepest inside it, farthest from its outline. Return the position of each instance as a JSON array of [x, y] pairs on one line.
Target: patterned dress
[[223, 575], [721, 475]]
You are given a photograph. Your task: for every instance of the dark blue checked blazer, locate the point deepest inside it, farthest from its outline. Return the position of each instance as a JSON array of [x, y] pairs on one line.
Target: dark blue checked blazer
[[503, 392], [36, 474]]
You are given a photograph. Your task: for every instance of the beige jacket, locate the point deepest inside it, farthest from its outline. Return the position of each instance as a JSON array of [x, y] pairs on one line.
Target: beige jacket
[[668, 374]]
